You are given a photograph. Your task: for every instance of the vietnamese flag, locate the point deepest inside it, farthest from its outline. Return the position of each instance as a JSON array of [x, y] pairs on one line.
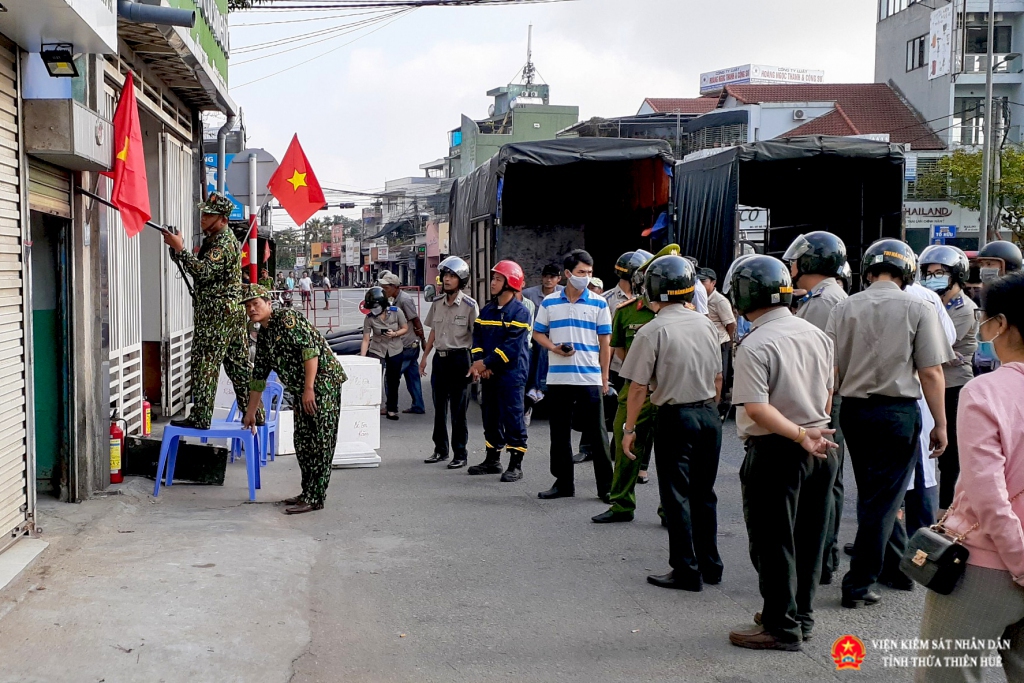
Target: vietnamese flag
[[131, 189], [295, 185]]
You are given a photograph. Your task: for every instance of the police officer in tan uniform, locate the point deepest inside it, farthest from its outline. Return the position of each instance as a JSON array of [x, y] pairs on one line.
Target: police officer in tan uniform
[[783, 380], [450, 320], [816, 262], [889, 348], [678, 354]]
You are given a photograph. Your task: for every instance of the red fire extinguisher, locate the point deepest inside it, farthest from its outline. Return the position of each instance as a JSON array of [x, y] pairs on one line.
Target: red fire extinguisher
[[116, 449], [147, 417]]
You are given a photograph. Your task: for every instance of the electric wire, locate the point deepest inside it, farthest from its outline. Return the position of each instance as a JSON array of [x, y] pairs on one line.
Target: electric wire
[[350, 30], [312, 34]]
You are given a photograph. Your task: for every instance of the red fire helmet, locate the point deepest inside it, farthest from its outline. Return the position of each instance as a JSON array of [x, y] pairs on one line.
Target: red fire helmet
[[512, 272]]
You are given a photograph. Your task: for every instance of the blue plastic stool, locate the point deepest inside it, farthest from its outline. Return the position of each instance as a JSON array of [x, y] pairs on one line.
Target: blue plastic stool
[[273, 400], [169, 452]]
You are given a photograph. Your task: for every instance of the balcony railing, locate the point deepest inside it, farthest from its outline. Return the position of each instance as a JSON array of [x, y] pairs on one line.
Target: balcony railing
[[1002, 64]]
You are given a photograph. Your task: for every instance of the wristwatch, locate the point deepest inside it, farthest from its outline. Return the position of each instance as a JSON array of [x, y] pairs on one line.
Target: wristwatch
[[628, 431]]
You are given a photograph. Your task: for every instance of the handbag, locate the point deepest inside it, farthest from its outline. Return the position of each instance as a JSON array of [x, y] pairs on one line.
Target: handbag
[[936, 558]]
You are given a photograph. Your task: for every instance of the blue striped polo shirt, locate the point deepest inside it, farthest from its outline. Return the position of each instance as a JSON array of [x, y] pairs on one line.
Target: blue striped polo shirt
[[579, 324]]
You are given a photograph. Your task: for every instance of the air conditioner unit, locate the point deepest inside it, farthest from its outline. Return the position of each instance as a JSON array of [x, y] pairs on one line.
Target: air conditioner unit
[[799, 115]]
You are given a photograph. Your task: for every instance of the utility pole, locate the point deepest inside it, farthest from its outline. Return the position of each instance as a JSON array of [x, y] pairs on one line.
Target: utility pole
[[986, 154]]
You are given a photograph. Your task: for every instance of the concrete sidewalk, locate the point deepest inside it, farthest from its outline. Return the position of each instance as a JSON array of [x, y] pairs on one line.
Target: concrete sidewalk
[[412, 573]]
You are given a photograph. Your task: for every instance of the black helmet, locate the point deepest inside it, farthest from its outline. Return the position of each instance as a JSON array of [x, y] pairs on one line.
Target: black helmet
[[892, 256], [950, 257], [759, 281], [817, 253], [846, 277], [1008, 252], [670, 279], [641, 272], [628, 263], [374, 297], [457, 267]]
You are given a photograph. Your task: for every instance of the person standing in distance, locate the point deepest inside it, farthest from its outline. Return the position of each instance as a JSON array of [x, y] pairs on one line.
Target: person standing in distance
[[501, 337], [575, 326], [451, 320], [679, 355], [945, 271], [384, 327], [783, 387], [221, 335], [816, 262], [412, 341], [720, 313], [889, 349], [289, 345]]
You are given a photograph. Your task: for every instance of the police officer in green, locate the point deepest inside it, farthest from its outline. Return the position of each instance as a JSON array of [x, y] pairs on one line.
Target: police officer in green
[[289, 345], [220, 334]]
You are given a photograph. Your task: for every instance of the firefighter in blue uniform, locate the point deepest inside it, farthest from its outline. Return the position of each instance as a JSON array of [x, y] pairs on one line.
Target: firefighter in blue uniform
[[501, 359]]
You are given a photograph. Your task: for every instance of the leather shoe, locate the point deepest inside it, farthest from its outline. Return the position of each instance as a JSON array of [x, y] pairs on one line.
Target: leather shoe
[[760, 639], [868, 599], [582, 456], [456, 464], [694, 585], [605, 498], [711, 579], [512, 474], [848, 549], [436, 457], [294, 500], [807, 635], [555, 492], [300, 509], [612, 516]]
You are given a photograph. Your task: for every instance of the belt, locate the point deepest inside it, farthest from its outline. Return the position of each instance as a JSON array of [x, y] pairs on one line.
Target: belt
[[452, 352], [695, 404]]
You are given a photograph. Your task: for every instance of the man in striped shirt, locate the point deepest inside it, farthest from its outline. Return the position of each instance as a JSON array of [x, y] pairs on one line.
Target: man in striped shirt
[[575, 326]]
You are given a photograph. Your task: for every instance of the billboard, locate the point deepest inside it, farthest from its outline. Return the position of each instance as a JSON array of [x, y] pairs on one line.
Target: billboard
[[351, 252], [940, 42], [757, 74]]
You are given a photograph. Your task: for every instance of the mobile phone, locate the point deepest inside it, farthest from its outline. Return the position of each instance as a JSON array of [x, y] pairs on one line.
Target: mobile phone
[[566, 348]]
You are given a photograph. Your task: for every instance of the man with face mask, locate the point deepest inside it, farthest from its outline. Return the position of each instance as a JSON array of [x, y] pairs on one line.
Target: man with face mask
[[220, 335], [994, 260]]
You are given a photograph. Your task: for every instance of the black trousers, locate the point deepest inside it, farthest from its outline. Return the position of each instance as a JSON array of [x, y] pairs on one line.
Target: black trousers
[[450, 389], [830, 558], [687, 446], [787, 493], [583, 405], [949, 461], [392, 366], [725, 405], [882, 433]]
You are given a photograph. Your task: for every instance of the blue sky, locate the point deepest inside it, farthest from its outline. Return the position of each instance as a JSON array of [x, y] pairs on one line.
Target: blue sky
[[380, 107]]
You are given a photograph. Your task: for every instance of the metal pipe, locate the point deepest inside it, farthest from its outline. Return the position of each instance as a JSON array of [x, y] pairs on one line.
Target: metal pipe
[[222, 151], [986, 154], [129, 10]]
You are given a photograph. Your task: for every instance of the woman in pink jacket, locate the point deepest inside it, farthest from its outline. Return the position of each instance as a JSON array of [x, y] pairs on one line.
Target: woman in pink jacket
[[988, 603]]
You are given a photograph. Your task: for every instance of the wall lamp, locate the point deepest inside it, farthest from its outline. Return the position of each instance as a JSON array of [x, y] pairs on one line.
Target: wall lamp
[[59, 61]]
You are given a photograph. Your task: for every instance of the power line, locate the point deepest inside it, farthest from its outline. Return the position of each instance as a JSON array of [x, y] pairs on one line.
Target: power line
[[322, 5], [312, 34], [299, 21], [349, 28]]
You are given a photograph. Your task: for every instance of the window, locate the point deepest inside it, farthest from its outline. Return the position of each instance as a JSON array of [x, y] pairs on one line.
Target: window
[[915, 52], [969, 118], [887, 8], [977, 40]]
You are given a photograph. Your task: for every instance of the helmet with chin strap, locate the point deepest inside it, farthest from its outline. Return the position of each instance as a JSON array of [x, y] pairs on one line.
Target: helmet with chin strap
[[513, 274]]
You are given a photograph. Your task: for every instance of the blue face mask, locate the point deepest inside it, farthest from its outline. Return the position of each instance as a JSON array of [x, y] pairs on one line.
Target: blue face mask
[[987, 349], [937, 283]]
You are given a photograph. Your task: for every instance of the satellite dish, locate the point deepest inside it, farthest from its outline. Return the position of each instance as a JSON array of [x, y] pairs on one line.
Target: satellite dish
[[490, 110]]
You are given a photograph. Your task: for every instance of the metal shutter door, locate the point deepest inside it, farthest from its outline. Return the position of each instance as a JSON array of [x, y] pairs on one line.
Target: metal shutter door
[[49, 189]]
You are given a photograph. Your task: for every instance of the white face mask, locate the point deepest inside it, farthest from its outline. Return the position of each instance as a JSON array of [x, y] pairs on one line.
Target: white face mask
[[579, 282]]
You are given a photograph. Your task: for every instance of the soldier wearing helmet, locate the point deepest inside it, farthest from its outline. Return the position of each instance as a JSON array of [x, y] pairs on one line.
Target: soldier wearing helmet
[[451, 319], [997, 258], [782, 389], [944, 270], [889, 348], [678, 353], [501, 358]]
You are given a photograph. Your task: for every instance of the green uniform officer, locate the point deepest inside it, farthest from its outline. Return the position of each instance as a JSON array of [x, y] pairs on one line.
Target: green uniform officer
[[220, 334], [289, 345]]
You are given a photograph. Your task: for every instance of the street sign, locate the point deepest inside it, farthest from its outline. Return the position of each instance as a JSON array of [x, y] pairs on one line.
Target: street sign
[[910, 168], [943, 231], [237, 174], [300, 261]]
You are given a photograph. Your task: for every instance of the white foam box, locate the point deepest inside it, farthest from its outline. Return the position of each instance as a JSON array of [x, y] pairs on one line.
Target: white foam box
[[358, 431], [363, 388]]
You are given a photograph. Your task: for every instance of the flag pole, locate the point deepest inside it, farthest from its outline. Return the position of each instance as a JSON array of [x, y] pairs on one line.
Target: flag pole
[[106, 202]]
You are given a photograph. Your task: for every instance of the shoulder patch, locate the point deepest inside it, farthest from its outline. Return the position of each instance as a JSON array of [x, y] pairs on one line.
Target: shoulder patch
[[470, 300], [627, 302], [290, 320], [216, 254]]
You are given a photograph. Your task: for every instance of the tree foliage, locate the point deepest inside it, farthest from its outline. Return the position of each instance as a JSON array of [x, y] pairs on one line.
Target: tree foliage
[[958, 176]]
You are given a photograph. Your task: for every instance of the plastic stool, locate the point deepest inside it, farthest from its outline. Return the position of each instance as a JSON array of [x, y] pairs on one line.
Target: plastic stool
[[169, 452]]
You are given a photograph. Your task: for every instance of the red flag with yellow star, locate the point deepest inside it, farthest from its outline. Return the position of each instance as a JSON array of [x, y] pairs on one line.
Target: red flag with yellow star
[[295, 185], [131, 189]]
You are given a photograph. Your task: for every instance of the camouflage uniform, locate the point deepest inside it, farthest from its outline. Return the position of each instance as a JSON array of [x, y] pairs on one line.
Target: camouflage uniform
[[220, 334], [284, 345]]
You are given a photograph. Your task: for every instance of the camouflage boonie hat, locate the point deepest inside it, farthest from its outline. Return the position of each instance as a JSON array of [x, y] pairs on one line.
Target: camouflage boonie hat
[[217, 205], [250, 292]]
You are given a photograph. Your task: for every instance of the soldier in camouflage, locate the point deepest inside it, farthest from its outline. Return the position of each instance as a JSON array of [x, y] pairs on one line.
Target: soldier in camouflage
[[220, 326], [289, 345]]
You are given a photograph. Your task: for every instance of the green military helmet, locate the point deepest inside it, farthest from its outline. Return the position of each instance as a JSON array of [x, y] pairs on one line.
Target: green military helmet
[[641, 270], [217, 205], [250, 292], [817, 253], [892, 256], [670, 279], [758, 281], [628, 263]]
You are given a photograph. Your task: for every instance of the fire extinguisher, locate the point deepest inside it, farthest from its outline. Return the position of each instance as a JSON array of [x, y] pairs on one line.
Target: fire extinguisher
[[147, 417], [116, 449]]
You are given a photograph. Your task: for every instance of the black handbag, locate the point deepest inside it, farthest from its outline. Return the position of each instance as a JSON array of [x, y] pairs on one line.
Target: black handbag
[[936, 558]]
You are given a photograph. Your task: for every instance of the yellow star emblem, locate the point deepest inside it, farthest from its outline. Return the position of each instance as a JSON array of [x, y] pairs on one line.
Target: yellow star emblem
[[298, 180], [847, 646], [123, 154]]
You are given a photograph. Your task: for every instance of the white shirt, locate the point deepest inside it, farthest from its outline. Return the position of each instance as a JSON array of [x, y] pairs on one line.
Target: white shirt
[[305, 284], [327, 282], [700, 298]]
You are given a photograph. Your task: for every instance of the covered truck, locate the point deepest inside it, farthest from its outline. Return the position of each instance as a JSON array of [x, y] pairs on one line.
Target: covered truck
[[847, 186], [535, 201]]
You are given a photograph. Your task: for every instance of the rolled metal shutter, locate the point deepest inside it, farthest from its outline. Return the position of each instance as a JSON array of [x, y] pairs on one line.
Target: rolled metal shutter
[[15, 497], [49, 189]]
